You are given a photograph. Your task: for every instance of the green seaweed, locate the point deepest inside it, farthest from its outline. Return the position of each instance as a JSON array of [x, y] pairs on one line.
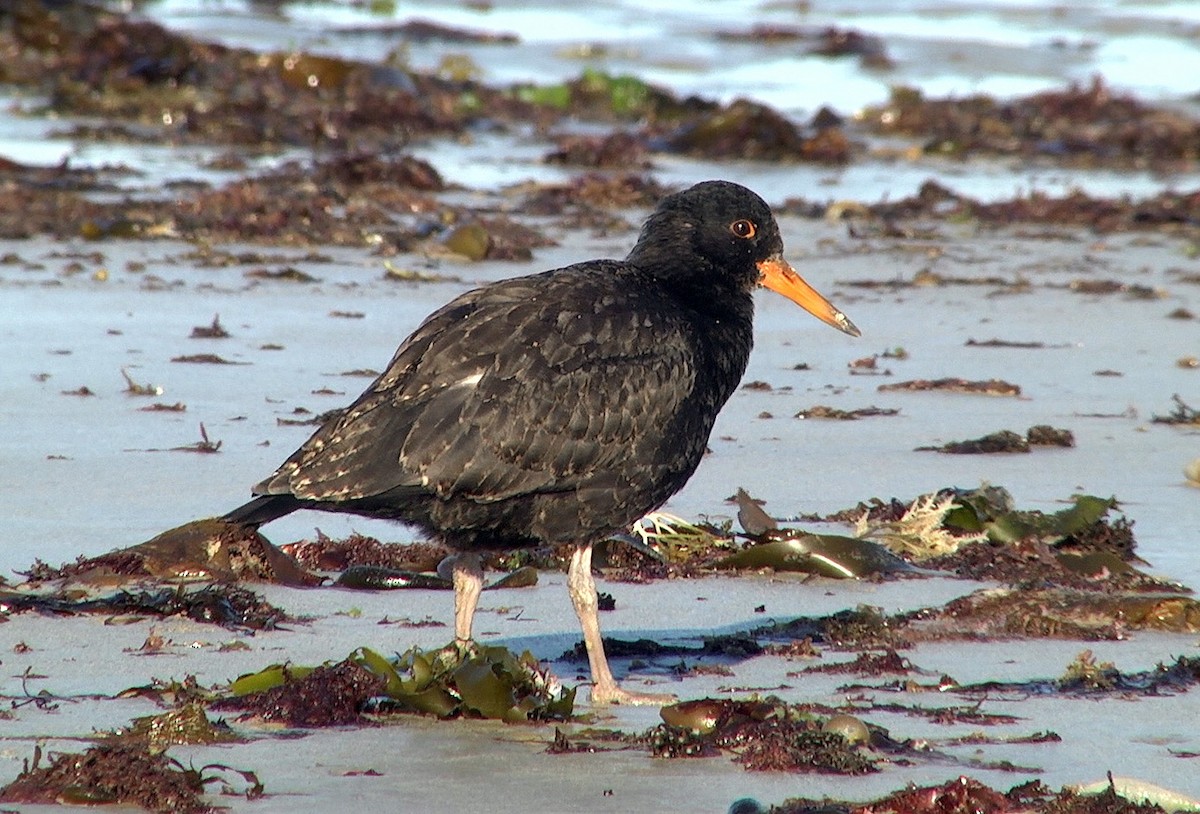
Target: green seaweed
[[268, 678], [600, 93], [990, 510], [473, 680], [827, 555]]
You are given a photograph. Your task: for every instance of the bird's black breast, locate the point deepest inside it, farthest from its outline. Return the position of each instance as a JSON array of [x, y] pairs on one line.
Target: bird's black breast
[[552, 408]]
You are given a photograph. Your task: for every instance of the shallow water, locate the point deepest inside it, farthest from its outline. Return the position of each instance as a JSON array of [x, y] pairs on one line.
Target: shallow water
[[79, 477], [941, 48]]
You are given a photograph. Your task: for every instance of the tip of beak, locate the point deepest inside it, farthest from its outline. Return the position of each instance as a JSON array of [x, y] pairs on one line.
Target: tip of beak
[[845, 325]]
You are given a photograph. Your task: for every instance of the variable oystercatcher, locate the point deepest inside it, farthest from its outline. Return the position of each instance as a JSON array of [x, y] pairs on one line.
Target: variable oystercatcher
[[559, 407]]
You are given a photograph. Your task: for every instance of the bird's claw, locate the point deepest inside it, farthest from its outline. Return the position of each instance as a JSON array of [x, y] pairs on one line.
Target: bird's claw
[[619, 696], [460, 650]]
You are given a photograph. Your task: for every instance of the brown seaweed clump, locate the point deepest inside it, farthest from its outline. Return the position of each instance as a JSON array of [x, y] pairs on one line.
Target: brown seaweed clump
[[1168, 209], [1086, 124], [327, 554], [225, 605], [1033, 563], [186, 724], [861, 628], [1182, 415], [965, 795], [762, 735], [326, 696], [1054, 613], [990, 387], [117, 772], [589, 200], [171, 87], [617, 150], [996, 613], [791, 746], [747, 129], [1040, 435]]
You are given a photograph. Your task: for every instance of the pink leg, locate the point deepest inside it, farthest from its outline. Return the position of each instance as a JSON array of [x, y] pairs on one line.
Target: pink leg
[[582, 588], [468, 582]]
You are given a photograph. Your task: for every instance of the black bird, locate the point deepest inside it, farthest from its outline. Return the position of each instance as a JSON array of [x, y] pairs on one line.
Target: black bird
[[559, 407]]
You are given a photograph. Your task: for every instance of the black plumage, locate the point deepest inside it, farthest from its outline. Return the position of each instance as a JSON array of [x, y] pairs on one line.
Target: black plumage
[[559, 407]]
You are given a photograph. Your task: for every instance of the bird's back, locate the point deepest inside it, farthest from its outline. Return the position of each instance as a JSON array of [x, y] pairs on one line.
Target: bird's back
[[558, 407]]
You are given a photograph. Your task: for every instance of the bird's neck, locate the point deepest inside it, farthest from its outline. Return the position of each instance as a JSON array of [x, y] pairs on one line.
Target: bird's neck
[[697, 284], [724, 327]]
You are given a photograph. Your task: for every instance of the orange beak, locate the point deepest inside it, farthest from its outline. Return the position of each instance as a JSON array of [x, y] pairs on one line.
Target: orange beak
[[776, 274]]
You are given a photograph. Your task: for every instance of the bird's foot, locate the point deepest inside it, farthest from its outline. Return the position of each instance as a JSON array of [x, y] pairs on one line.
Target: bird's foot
[[465, 647], [615, 694], [458, 651]]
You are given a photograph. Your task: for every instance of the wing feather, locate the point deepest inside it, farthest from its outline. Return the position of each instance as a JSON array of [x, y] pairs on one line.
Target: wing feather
[[511, 389]]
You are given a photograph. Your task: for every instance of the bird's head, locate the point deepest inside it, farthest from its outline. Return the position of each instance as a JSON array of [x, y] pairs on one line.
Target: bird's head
[[717, 235]]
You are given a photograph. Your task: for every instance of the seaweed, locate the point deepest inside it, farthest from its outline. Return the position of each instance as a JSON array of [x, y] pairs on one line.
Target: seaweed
[[119, 772], [455, 681]]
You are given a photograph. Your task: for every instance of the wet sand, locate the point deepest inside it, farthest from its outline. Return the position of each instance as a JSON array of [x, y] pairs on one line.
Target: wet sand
[[109, 491], [82, 475]]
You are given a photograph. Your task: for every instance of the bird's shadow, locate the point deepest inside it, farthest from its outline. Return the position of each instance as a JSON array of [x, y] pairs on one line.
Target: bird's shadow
[[668, 652]]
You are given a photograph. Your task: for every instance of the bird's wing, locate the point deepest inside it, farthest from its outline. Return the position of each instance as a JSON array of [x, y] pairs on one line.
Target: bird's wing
[[507, 390]]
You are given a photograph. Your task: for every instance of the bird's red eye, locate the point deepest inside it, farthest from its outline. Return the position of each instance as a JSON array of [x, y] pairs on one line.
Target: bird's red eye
[[743, 228]]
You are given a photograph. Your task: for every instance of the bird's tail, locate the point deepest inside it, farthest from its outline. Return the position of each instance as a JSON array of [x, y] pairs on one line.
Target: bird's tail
[[262, 510]]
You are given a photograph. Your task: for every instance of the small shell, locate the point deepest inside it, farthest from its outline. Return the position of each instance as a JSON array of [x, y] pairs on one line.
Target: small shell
[[1192, 472]]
